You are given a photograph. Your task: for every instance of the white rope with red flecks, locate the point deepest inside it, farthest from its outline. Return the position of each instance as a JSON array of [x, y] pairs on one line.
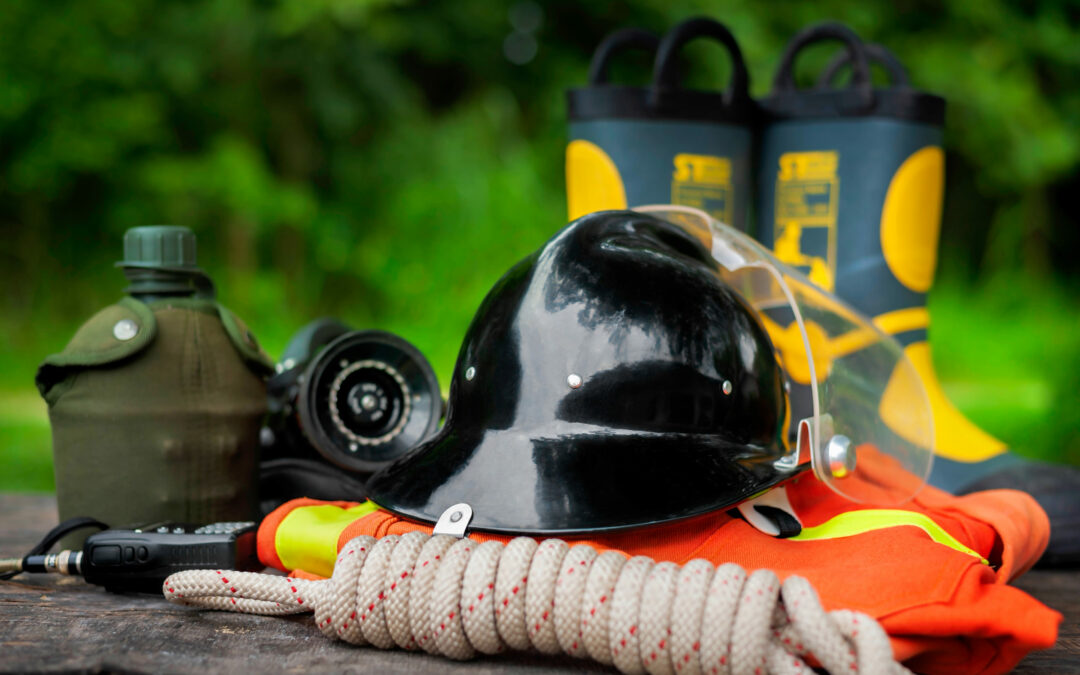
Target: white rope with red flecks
[[456, 597]]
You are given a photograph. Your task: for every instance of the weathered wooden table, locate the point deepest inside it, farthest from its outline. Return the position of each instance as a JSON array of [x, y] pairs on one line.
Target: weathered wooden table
[[60, 624]]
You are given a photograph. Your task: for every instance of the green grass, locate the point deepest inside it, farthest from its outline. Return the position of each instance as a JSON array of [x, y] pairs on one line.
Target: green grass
[[1008, 354], [25, 449]]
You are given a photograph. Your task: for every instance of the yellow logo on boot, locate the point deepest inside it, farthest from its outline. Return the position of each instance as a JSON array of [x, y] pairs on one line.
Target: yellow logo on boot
[[703, 182], [804, 237]]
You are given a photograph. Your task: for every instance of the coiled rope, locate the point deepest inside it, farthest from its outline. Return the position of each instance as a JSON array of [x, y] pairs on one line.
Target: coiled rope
[[456, 597]]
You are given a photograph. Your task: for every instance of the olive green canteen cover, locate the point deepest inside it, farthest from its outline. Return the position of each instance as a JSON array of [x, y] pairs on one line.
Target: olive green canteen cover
[[155, 412]]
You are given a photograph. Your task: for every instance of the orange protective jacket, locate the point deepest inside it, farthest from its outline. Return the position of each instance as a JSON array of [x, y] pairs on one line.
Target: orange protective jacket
[[934, 575]]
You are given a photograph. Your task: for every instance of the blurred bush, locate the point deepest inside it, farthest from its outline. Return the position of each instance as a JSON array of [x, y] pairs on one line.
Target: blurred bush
[[385, 161]]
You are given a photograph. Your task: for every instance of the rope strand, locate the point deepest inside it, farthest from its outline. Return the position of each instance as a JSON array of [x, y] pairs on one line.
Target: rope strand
[[456, 597]]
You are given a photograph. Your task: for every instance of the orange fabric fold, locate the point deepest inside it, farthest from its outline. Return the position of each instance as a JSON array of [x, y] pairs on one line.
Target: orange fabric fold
[[944, 610]]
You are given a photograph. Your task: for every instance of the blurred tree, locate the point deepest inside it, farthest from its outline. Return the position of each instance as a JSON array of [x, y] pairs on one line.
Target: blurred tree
[[387, 160]]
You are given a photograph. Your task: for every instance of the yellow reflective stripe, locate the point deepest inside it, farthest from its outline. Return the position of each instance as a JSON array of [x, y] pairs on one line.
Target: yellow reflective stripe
[[868, 520], [902, 320], [306, 539]]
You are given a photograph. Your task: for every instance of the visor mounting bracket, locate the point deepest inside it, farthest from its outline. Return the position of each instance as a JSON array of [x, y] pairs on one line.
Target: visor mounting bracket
[[454, 521]]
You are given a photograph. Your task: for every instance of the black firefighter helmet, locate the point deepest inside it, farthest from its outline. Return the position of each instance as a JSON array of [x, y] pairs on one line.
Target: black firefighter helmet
[[609, 380]]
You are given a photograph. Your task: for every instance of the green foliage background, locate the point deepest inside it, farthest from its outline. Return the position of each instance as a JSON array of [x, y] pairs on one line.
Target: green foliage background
[[385, 162]]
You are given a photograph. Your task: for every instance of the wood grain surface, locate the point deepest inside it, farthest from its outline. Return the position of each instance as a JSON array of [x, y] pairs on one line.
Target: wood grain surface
[[56, 624]]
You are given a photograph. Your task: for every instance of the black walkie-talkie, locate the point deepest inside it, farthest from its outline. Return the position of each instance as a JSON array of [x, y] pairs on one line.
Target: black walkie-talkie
[[139, 560]]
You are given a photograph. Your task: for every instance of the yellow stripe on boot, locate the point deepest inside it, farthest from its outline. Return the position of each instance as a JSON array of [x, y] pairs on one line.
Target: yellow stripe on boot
[[955, 437]]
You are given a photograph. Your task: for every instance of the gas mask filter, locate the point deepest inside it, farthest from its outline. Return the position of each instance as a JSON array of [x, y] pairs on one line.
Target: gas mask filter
[[343, 404]]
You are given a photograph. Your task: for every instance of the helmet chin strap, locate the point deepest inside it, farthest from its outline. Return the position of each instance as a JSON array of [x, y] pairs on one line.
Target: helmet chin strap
[[771, 513]]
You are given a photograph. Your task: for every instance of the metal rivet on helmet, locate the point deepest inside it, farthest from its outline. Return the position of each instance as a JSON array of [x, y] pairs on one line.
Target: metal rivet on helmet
[[841, 456]]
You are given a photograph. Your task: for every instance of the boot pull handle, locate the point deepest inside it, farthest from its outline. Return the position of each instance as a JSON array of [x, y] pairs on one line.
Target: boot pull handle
[[861, 90], [666, 69], [614, 43], [876, 54]]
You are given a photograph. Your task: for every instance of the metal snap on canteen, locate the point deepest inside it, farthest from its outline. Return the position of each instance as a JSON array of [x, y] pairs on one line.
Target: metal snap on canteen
[[125, 329]]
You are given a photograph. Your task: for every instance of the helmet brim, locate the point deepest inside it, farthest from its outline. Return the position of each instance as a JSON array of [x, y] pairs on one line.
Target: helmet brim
[[576, 478]]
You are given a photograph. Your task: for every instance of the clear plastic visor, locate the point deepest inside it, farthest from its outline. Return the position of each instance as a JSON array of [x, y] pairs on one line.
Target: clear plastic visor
[[860, 414]]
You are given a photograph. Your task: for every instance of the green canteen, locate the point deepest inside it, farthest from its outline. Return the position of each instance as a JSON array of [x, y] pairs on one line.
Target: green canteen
[[156, 402]]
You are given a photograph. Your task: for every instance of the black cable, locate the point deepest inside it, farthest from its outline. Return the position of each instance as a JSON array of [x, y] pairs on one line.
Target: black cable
[[54, 535]]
